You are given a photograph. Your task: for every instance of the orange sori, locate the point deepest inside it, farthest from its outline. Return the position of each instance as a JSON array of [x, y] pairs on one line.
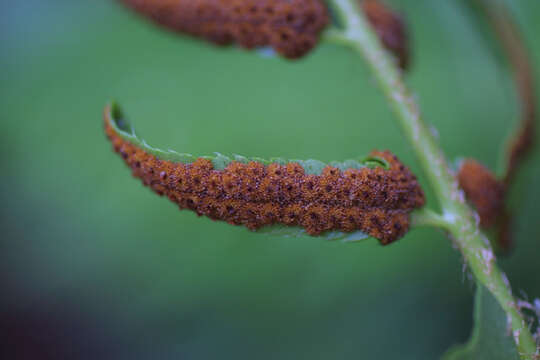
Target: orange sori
[[488, 195], [291, 27], [375, 200], [390, 28]]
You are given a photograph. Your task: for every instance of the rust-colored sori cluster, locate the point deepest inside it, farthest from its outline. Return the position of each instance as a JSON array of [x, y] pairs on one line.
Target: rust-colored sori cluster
[[377, 201], [483, 189], [291, 27], [487, 194], [390, 28]]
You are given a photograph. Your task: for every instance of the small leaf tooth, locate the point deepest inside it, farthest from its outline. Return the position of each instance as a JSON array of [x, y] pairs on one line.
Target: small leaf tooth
[[278, 160], [261, 160], [240, 158]]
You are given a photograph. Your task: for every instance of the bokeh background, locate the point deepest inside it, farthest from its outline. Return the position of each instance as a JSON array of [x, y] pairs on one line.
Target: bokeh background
[[93, 265]]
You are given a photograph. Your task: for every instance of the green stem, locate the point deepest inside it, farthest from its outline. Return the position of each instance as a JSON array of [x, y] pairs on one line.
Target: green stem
[[336, 36], [428, 217], [459, 220]]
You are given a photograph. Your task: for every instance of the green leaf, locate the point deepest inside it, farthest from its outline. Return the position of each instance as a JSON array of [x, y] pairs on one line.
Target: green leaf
[[491, 337], [294, 231], [123, 128]]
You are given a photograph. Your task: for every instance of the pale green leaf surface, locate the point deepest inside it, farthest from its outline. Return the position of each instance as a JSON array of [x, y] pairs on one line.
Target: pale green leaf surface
[[491, 337], [123, 127], [293, 231]]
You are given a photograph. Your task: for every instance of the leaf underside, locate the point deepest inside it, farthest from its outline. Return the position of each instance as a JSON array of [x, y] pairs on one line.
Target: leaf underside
[[125, 130], [491, 337]]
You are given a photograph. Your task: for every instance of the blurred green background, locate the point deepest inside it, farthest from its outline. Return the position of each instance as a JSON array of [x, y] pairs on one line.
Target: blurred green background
[[93, 265]]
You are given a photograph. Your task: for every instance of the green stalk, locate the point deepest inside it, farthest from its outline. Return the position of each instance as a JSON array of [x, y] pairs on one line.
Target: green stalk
[[427, 217], [457, 217]]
